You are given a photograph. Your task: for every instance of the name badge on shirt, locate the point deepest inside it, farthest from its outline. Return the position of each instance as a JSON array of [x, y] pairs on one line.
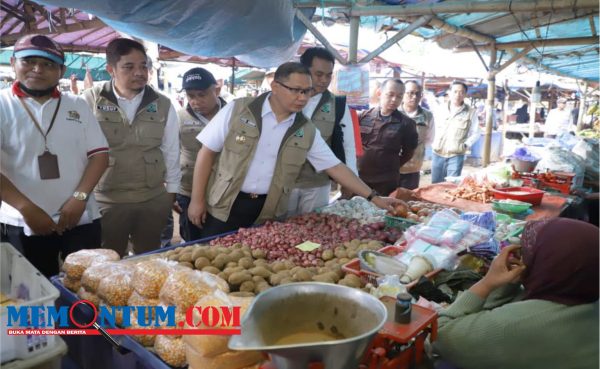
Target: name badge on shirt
[[152, 108], [48, 165], [191, 123], [248, 122], [109, 108]]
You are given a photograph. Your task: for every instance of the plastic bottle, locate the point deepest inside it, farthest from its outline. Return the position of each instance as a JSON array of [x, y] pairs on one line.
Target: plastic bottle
[[403, 308]]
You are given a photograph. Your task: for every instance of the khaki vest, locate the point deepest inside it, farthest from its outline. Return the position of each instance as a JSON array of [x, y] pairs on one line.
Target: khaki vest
[[451, 134], [324, 119], [189, 128], [424, 120], [232, 163], [136, 169]]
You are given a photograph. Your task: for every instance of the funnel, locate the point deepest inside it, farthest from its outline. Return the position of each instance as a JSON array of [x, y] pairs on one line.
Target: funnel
[[300, 323]]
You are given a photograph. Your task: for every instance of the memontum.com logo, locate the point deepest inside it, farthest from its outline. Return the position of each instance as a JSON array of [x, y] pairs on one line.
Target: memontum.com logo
[[151, 320]]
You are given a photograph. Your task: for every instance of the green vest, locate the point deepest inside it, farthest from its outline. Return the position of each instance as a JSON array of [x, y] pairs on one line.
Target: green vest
[[424, 120], [453, 132], [324, 119], [232, 163], [136, 169]]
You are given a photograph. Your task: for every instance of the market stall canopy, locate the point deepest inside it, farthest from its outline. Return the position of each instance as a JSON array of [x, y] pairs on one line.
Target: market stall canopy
[[76, 64], [261, 33], [558, 36]]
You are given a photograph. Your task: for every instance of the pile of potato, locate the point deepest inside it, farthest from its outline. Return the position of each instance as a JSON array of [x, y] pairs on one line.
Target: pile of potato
[[421, 211], [249, 273]]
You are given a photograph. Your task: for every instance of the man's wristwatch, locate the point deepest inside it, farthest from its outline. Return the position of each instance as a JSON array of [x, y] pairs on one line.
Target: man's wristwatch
[[372, 195], [81, 196]]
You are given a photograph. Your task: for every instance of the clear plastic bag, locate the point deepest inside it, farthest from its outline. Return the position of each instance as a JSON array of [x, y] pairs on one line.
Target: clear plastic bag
[[171, 350], [76, 263], [95, 273], [185, 286], [149, 276], [116, 288]]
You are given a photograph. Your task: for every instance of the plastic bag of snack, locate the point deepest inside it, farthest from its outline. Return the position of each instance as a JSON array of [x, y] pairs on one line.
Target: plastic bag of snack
[[95, 273], [145, 340], [76, 263], [72, 283], [171, 350], [86, 295], [116, 288], [214, 345], [185, 286], [149, 276], [227, 360]]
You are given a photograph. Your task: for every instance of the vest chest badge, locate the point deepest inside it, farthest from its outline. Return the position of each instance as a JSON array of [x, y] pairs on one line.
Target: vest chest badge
[[152, 108], [108, 108], [240, 139], [191, 123], [299, 133], [248, 122], [326, 108], [73, 115]]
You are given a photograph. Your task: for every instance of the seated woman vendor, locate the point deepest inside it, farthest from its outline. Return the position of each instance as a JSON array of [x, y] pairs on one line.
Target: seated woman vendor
[[549, 322]]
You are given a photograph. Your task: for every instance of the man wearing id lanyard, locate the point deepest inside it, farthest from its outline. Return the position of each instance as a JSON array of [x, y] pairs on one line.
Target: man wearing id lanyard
[[53, 154]]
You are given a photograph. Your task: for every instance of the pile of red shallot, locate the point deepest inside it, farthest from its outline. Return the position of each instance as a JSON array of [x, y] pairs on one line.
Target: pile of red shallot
[[278, 240]]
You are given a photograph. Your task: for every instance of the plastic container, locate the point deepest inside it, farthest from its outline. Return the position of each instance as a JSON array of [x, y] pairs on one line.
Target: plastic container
[[20, 279], [525, 194], [353, 267], [397, 222], [510, 207], [49, 359], [523, 165]]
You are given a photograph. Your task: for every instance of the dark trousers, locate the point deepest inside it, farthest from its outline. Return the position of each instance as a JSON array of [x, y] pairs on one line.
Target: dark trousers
[[244, 212], [43, 251], [409, 180], [186, 228]]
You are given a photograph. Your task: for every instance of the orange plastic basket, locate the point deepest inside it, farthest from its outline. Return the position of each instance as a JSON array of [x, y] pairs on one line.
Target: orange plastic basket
[[353, 267]]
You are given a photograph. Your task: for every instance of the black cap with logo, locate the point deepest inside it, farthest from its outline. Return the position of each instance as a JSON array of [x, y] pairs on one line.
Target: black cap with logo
[[198, 79]]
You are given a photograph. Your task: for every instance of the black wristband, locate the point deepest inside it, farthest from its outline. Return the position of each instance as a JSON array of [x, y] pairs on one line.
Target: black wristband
[[372, 195]]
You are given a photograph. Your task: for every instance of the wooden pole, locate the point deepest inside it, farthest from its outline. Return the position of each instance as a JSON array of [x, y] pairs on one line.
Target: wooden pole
[[470, 7], [353, 45], [320, 36], [489, 116], [232, 84], [581, 107], [397, 37]]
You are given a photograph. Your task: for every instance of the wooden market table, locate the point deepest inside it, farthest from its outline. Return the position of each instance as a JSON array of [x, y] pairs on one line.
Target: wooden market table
[[551, 207]]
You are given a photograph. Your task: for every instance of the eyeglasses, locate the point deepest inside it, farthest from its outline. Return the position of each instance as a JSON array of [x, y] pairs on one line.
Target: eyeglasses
[[413, 93], [297, 91]]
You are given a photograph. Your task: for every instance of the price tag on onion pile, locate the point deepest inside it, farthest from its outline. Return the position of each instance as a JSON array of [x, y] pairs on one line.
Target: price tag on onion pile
[[308, 246]]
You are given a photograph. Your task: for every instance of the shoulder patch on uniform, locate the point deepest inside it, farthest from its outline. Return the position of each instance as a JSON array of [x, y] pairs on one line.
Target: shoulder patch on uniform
[[326, 108], [299, 133], [110, 108], [248, 122], [73, 115], [152, 108]]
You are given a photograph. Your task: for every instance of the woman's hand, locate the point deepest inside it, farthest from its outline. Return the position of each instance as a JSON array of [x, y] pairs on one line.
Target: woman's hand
[[504, 269]]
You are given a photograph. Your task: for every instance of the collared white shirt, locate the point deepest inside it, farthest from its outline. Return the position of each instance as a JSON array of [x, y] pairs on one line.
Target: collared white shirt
[[559, 122], [262, 166], [74, 137], [170, 141], [347, 130]]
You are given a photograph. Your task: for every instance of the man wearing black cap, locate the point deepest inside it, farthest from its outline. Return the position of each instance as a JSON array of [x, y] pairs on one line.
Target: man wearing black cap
[[204, 103], [53, 154]]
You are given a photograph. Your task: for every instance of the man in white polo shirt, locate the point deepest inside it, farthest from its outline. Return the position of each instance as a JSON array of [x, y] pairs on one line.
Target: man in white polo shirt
[[53, 154], [252, 153]]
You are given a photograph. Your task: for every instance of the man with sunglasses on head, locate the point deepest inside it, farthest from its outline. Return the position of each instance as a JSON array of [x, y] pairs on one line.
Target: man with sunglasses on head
[[410, 171], [331, 116], [252, 153], [53, 154], [137, 192]]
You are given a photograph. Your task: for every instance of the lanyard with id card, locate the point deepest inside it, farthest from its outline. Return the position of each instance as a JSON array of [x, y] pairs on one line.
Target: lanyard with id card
[[47, 162]]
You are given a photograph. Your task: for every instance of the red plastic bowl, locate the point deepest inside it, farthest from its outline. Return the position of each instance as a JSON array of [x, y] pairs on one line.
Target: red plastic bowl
[[525, 194]]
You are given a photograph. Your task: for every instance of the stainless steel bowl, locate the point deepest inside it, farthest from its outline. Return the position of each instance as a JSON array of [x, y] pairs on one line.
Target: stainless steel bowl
[[351, 315]]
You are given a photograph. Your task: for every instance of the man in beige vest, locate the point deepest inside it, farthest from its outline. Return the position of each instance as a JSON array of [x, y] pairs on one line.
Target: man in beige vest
[[137, 191], [456, 130], [312, 188], [204, 103], [252, 153], [410, 172]]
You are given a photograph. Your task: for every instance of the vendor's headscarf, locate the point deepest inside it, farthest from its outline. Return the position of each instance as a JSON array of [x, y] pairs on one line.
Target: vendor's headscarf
[[561, 259]]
